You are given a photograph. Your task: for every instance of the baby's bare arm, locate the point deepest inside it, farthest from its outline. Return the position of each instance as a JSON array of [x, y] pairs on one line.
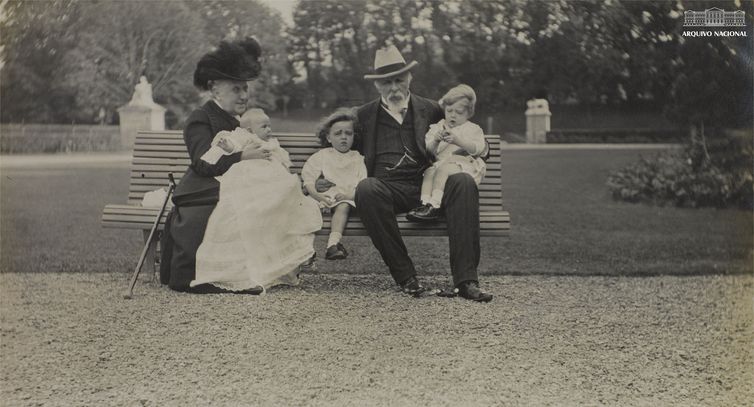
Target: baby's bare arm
[[225, 144]]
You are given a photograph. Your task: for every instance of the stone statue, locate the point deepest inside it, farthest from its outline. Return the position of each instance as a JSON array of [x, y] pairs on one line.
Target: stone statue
[[142, 94], [141, 113]]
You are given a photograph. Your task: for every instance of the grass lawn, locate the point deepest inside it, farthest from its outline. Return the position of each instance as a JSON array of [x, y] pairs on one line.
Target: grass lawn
[[564, 222]]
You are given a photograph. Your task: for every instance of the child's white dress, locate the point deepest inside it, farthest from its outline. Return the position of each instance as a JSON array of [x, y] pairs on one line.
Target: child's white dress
[[345, 170], [451, 153], [262, 228]]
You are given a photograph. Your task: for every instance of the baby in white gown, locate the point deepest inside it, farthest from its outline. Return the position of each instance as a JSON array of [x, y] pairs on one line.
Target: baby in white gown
[[255, 128], [263, 226]]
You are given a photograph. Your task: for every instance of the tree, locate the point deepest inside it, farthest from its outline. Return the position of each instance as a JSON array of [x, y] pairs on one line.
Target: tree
[[328, 44], [35, 37], [125, 40], [333, 44], [66, 60], [232, 20], [712, 80]]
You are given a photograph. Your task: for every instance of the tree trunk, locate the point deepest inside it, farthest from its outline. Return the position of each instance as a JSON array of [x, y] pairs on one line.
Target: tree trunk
[[699, 143]]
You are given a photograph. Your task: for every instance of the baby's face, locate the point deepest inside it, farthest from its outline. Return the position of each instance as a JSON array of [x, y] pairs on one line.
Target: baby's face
[[341, 135], [259, 125], [457, 113]]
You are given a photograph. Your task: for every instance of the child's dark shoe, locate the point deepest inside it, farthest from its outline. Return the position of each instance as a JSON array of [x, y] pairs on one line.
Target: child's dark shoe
[[424, 213], [336, 252]]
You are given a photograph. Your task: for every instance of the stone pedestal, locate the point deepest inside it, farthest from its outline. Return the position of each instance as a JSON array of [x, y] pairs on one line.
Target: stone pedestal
[[141, 113], [537, 121]]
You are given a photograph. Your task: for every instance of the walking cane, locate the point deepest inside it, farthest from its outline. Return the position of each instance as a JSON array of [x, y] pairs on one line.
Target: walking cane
[[152, 232]]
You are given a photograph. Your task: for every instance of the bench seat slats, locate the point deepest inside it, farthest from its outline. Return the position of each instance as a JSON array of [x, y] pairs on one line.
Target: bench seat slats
[[137, 209], [161, 178], [160, 161], [162, 154], [486, 200], [485, 197], [140, 149], [151, 212], [135, 217]]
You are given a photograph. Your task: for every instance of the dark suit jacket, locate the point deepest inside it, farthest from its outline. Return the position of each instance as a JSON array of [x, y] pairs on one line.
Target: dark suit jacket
[[198, 185], [425, 111]]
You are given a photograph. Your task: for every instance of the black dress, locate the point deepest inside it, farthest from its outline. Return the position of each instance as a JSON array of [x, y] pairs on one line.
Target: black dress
[[195, 198]]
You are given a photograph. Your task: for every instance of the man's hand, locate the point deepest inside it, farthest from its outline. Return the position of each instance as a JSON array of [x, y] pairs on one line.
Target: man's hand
[[323, 184], [254, 151]]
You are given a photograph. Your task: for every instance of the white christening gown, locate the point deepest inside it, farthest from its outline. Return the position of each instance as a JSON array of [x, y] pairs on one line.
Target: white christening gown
[[262, 228]]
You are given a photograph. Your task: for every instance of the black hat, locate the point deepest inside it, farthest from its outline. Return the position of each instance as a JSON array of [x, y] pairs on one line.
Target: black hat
[[237, 60]]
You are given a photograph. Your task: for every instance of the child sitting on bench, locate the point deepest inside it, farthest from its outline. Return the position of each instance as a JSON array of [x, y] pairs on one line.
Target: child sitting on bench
[[456, 144], [340, 165]]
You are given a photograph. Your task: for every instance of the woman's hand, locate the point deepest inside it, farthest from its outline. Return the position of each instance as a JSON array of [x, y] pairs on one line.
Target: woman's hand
[[254, 151]]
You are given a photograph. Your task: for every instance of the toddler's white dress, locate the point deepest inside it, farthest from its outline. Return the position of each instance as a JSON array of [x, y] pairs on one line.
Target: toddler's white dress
[[345, 170], [262, 228], [452, 153]]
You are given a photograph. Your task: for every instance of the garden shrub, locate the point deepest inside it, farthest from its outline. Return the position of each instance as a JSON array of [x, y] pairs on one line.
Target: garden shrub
[[685, 178]]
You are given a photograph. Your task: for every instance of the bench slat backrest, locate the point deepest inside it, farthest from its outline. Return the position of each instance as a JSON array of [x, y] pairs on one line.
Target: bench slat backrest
[[157, 153]]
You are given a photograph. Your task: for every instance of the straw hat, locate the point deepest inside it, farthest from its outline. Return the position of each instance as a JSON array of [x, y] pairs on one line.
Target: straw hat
[[389, 62]]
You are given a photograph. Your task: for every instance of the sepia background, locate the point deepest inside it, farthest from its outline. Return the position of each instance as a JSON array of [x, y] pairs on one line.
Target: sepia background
[[626, 277]]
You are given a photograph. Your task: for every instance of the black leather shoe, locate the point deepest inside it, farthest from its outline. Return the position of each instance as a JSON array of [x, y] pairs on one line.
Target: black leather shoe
[[424, 213], [412, 287], [336, 252], [471, 291]]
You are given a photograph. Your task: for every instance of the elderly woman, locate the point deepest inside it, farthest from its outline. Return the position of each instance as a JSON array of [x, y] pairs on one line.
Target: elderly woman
[[224, 73]]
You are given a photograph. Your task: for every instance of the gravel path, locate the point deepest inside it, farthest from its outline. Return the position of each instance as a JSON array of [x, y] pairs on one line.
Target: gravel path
[[70, 339]]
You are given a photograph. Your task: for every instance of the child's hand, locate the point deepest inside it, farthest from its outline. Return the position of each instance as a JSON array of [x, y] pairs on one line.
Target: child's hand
[[225, 144], [323, 198], [448, 137], [341, 197]]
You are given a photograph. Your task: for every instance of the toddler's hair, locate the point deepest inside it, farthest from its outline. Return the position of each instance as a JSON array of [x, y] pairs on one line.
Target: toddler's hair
[[342, 114], [248, 117], [457, 93]]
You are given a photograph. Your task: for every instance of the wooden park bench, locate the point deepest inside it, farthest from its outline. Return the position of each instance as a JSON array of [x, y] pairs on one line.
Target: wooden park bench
[[158, 153]]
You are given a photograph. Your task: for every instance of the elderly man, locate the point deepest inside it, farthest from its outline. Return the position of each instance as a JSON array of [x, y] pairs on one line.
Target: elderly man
[[392, 142]]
